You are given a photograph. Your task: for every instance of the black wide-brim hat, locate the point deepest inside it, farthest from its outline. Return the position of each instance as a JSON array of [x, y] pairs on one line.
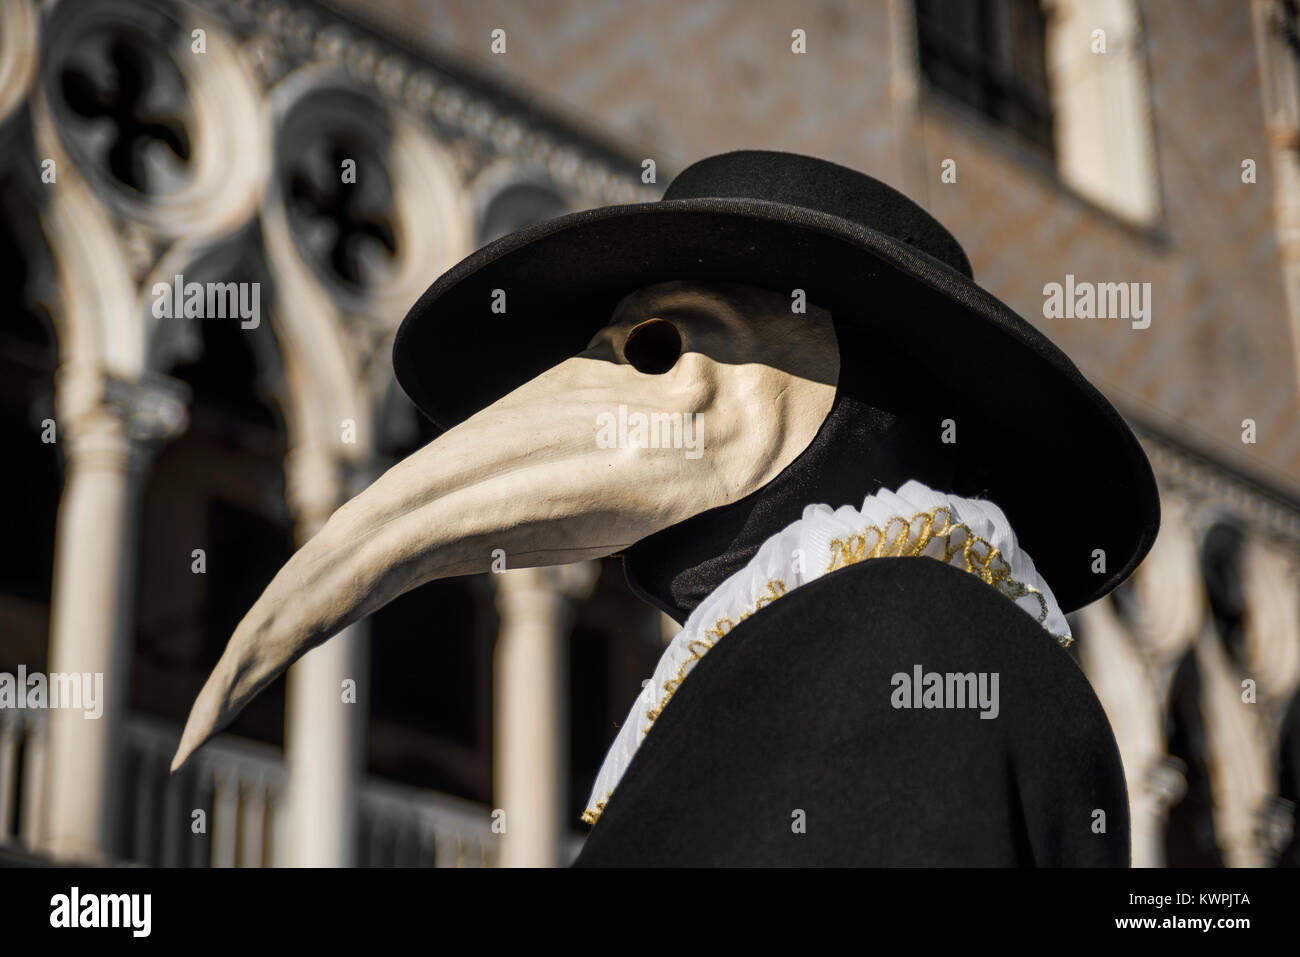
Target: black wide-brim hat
[[1077, 479]]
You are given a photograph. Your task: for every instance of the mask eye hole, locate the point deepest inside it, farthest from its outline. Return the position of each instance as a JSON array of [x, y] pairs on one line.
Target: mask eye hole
[[653, 346]]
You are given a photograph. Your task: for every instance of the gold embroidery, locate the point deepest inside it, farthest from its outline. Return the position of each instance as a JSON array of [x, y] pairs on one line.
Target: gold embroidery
[[699, 646], [897, 539], [592, 814], [978, 555]]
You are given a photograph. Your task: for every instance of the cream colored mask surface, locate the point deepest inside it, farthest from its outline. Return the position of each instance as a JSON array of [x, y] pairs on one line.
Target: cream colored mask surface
[[694, 396]]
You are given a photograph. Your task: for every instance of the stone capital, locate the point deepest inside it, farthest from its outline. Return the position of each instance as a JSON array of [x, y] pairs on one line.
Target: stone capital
[[107, 421]]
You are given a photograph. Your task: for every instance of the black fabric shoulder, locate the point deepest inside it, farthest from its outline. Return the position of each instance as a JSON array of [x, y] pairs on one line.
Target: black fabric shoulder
[[787, 745]]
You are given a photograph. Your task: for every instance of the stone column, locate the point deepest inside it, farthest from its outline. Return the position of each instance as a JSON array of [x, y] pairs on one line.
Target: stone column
[[326, 703], [530, 703], [1279, 74], [104, 426]]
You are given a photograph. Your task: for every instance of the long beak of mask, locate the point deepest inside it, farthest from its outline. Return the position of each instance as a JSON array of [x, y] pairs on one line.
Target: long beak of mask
[[588, 458]]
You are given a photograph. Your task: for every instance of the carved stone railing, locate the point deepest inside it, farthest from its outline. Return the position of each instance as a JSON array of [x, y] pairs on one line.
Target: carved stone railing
[[226, 808]]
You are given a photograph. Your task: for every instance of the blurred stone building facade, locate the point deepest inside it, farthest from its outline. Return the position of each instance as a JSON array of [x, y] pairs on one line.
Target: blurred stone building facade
[[161, 469]]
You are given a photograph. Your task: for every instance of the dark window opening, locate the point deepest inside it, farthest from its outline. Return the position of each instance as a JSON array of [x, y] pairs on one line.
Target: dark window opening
[[1190, 837], [518, 206], [990, 55], [430, 688], [32, 480], [430, 722], [219, 487]]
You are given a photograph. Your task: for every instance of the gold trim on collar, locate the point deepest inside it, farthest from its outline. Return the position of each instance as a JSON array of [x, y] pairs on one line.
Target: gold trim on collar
[[931, 534]]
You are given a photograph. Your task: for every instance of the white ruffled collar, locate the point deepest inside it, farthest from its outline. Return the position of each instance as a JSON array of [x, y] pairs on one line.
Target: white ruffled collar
[[971, 534]]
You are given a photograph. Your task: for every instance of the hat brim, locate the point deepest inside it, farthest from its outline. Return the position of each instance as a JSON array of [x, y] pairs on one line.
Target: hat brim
[[1070, 452]]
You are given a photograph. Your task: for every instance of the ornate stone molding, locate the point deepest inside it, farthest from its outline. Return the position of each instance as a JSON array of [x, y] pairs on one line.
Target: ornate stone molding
[[97, 411], [1268, 513], [425, 213], [484, 123], [130, 94]]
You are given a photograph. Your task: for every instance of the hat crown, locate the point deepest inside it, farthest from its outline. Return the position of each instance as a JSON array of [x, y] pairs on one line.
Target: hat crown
[[805, 181]]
